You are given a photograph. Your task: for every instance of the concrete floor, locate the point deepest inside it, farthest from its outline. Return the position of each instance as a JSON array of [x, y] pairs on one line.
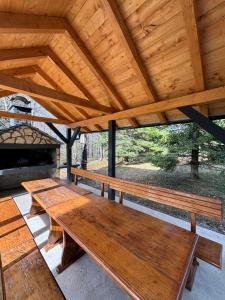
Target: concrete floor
[[85, 281]]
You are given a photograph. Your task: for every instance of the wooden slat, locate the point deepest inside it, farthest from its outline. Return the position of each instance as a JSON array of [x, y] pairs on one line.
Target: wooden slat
[[210, 252], [21, 86], [132, 54], [189, 11], [7, 115], [208, 96]]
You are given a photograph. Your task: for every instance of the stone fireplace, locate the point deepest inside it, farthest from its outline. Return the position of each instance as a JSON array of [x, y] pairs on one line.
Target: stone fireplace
[[26, 153]]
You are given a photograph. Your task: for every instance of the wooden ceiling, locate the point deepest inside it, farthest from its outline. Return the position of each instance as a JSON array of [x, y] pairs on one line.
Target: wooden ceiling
[[90, 61]]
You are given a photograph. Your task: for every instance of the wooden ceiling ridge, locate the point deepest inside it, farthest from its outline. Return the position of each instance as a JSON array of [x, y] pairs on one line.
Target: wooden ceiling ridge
[[198, 98], [119, 26], [189, 10]]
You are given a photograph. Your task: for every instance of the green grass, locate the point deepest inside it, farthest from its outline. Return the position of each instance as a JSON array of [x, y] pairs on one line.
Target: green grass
[[211, 183]]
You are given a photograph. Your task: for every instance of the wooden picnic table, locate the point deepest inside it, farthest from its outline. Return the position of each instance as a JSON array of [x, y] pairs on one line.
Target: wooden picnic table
[[147, 257]]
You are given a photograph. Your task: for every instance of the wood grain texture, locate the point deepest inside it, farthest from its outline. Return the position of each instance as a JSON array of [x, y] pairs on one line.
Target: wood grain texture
[[129, 245], [30, 278], [196, 204]]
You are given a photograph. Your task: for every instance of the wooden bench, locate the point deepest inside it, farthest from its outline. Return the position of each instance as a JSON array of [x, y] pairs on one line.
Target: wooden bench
[[207, 250], [25, 274]]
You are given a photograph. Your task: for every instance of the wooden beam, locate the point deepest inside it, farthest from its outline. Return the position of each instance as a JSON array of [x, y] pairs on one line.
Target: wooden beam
[[29, 70], [54, 85], [189, 11], [21, 86], [21, 53], [63, 68], [208, 96], [7, 115], [118, 102], [28, 23], [120, 28], [57, 132]]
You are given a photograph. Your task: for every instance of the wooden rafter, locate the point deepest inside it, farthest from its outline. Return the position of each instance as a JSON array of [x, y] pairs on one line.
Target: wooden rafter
[[190, 19], [198, 98], [5, 114], [14, 84], [118, 102], [61, 25], [132, 54], [54, 85], [46, 52]]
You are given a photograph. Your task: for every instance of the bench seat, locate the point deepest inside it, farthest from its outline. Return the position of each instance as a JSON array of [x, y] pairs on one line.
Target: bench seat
[[24, 271], [209, 251]]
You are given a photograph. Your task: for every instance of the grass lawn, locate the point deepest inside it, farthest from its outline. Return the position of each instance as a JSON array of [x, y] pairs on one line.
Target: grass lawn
[[211, 183]]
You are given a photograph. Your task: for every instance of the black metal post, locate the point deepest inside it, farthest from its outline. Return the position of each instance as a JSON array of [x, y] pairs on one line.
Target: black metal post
[[57, 132], [69, 156], [111, 155]]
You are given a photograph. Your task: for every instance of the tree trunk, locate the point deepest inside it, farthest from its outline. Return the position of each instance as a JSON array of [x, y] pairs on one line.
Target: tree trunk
[[194, 163]]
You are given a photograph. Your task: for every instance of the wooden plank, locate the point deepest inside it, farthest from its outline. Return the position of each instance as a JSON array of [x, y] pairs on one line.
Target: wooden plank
[[7, 115], [208, 96], [30, 278], [2, 282], [132, 54], [21, 23], [210, 252], [189, 11], [143, 269], [21, 86]]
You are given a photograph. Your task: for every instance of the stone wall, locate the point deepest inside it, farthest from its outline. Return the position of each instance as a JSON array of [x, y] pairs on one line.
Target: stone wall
[[25, 134]]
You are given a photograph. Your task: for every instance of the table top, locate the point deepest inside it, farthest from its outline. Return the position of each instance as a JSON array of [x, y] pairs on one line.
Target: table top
[[148, 257]]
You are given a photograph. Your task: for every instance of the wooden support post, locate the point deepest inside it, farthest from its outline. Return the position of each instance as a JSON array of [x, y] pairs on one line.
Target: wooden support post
[[112, 155], [102, 189], [121, 194], [193, 222], [75, 179], [69, 156]]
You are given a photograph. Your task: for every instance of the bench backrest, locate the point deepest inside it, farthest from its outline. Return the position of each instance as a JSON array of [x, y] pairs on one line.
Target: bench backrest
[[209, 207]]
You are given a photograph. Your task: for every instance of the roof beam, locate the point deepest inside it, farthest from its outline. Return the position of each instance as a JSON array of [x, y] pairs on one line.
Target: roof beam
[[118, 102], [189, 11], [132, 54], [53, 84], [7, 115], [19, 23], [198, 98], [27, 23], [21, 86]]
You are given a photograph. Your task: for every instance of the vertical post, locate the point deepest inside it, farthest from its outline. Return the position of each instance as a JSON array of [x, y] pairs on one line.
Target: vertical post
[[69, 156], [193, 222], [111, 155]]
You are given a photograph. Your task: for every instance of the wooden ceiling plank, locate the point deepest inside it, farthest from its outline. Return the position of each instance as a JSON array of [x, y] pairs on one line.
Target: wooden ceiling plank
[[118, 102], [189, 11], [21, 86], [28, 23], [198, 98], [8, 115], [120, 28]]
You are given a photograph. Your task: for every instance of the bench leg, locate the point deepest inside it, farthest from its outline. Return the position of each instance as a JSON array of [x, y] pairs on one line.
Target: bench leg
[[55, 235], [192, 273], [71, 252], [35, 209]]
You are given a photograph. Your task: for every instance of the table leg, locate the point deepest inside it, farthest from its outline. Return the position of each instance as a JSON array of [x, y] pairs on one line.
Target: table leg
[[191, 276], [55, 235], [71, 252], [35, 209]]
